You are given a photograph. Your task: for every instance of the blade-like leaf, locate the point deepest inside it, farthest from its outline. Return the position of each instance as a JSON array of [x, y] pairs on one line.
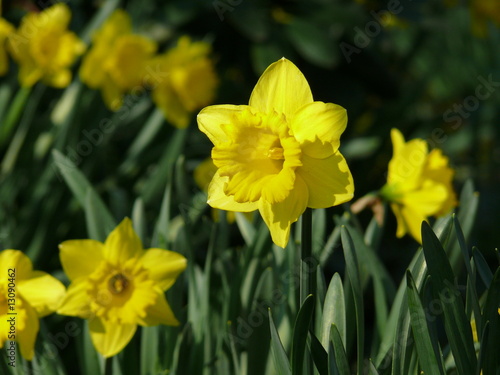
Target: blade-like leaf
[[456, 324], [300, 331], [352, 270], [430, 361], [333, 311], [278, 354], [338, 354]]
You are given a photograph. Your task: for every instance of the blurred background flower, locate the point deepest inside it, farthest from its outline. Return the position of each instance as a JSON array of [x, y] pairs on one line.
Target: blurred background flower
[[44, 48]]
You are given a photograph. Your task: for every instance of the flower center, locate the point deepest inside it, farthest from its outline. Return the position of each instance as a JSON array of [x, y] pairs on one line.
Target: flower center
[[260, 159], [118, 283], [276, 153]]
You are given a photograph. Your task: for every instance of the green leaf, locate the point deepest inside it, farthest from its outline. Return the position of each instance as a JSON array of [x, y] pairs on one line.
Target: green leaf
[[300, 331], [430, 361], [149, 350], [352, 271], [319, 355], [482, 267], [334, 311], [280, 359], [456, 324], [338, 354], [491, 359], [312, 42], [97, 217]]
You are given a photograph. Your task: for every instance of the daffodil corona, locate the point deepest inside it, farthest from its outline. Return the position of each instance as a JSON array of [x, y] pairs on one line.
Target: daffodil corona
[[118, 285], [44, 48], [279, 154], [25, 296], [419, 184]]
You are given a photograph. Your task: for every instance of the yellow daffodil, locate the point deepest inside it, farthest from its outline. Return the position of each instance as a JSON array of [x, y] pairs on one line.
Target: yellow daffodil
[[189, 82], [419, 184], [279, 154], [117, 285], [117, 62], [25, 296], [482, 12], [44, 48], [5, 30]]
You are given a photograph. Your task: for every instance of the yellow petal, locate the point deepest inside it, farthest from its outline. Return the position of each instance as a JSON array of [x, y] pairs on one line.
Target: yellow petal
[[211, 118], [27, 336], [110, 338], [112, 95], [164, 266], [159, 313], [280, 216], [317, 127], [427, 201], [42, 291], [407, 164], [4, 61], [80, 258], [329, 180], [29, 74], [218, 199], [398, 141], [14, 259], [122, 244], [281, 88], [408, 221], [76, 301], [91, 72], [59, 79], [167, 100]]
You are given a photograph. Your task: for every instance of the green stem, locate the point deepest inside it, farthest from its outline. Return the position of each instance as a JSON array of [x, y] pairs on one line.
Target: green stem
[[307, 264], [108, 366]]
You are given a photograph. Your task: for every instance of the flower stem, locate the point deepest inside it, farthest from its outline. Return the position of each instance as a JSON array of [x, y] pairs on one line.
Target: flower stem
[[108, 366], [307, 264]]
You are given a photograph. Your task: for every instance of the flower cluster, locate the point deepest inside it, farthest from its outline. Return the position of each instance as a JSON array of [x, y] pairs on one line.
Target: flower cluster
[[119, 62], [116, 285]]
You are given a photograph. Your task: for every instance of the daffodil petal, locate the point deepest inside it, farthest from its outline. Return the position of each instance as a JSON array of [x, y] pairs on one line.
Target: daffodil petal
[[211, 118], [171, 106], [329, 180], [398, 141], [42, 291], [409, 221], [218, 199], [76, 301], [110, 338], [317, 127], [112, 95], [407, 164], [159, 313], [281, 88], [80, 258], [122, 243], [163, 266], [59, 79], [280, 216], [14, 259], [27, 336], [427, 201]]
